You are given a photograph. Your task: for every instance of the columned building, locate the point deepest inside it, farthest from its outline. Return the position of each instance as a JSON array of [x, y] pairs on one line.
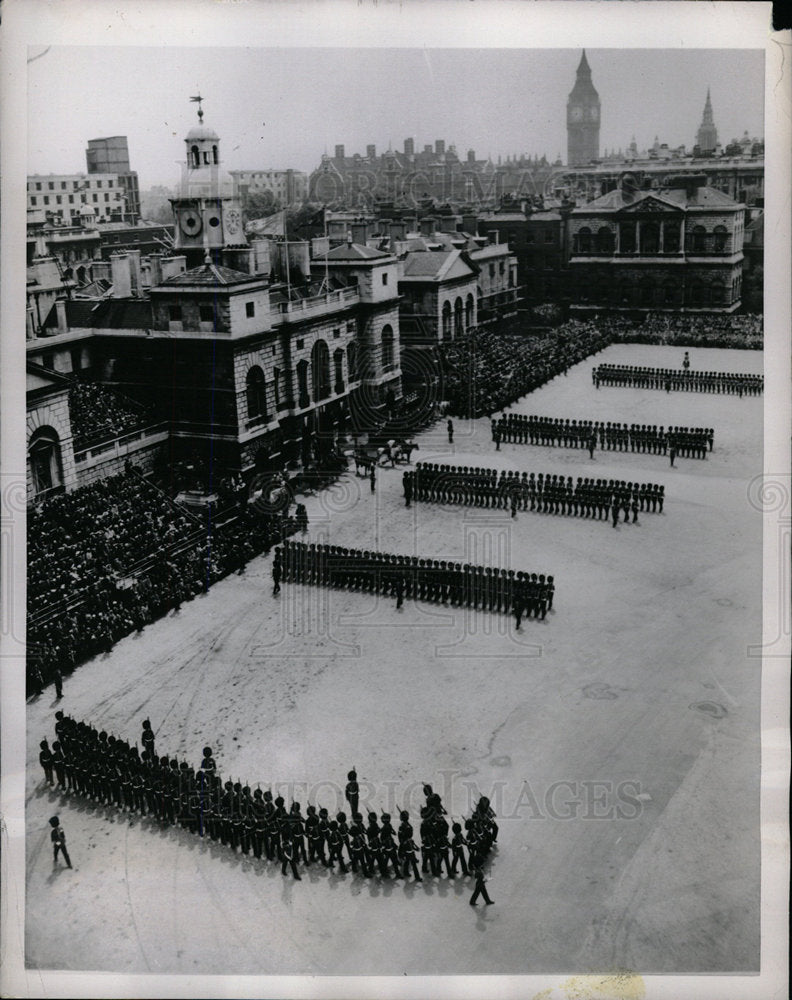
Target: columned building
[[679, 249]]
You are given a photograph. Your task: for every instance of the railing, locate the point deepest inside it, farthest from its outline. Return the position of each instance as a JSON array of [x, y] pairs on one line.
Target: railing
[[318, 303], [101, 445]]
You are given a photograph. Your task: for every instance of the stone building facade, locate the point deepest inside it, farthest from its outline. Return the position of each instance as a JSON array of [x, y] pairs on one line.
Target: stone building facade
[[676, 250]]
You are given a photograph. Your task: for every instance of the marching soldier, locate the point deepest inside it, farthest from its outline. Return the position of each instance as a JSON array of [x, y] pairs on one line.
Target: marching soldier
[[58, 839]]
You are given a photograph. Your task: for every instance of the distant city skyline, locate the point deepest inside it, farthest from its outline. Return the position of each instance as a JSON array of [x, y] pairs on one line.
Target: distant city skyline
[[279, 108]]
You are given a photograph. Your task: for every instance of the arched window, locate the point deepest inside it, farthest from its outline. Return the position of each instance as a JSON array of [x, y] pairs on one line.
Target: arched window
[[338, 366], [458, 327], [627, 237], [650, 237], [214, 155], [320, 368], [352, 366], [302, 383], [446, 320], [604, 240], [671, 237], [721, 239], [584, 240], [697, 294], [45, 460], [387, 347], [196, 156], [699, 239], [469, 312], [256, 393]]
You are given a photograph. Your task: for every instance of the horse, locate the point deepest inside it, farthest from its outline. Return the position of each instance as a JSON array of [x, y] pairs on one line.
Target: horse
[[404, 450]]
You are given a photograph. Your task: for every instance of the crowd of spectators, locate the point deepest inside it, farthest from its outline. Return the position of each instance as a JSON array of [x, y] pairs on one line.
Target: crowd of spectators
[[98, 413], [487, 371], [111, 557]]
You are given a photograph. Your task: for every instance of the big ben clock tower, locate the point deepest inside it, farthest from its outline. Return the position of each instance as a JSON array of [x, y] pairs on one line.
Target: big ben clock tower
[[583, 118], [207, 214]]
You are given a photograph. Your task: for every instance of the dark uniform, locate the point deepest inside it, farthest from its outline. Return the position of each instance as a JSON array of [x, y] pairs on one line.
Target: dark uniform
[[481, 888], [58, 838]]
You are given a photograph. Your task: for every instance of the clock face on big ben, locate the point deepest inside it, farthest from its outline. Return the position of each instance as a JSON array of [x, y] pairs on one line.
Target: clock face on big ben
[[593, 113], [576, 113]]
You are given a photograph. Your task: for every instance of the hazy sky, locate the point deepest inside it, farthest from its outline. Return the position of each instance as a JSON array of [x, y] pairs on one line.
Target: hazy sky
[[284, 107]]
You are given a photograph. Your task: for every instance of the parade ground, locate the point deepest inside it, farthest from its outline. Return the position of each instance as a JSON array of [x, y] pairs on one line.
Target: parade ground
[[618, 740]]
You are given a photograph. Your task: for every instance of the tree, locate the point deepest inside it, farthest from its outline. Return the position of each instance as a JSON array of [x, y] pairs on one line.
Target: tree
[[259, 205]]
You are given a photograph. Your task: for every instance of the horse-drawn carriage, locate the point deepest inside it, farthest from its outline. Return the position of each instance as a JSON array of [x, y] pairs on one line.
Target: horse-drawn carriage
[[372, 454]]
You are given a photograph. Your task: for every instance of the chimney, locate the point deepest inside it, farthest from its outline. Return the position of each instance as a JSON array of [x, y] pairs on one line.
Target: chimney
[[261, 256], [471, 156], [427, 226], [359, 231], [409, 147], [398, 230], [299, 258], [470, 223], [371, 152], [122, 277], [439, 147], [155, 269], [428, 149], [447, 224], [134, 271], [239, 259], [60, 312], [171, 266], [339, 152]]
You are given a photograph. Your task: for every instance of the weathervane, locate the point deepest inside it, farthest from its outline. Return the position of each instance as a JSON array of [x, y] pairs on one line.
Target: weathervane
[[198, 98]]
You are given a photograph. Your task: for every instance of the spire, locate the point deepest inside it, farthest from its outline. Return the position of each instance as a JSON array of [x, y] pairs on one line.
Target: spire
[[707, 120], [583, 67]]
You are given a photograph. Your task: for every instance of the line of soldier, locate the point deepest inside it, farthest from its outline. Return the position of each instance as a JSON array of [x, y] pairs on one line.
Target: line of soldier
[[518, 428], [547, 494], [109, 771], [439, 581], [634, 376]]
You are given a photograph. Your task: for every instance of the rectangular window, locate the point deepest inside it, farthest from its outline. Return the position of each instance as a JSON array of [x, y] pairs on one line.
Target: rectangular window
[[33, 200], [63, 185], [38, 186], [336, 334], [206, 314], [250, 309], [109, 184], [300, 344], [51, 186], [98, 184], [107, 197], [96, 198], [46, 199], [385, 279], [71, 199], [175, 314], [58, 198]]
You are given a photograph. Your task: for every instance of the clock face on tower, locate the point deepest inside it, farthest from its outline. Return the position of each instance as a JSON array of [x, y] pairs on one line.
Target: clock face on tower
[[593, 113], [190, 222], [576, 113]]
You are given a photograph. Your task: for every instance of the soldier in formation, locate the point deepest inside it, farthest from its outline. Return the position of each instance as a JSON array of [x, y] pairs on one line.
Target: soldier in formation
[[486, 588], [554, 432], [679, 380], [546, 494], [98, 766]]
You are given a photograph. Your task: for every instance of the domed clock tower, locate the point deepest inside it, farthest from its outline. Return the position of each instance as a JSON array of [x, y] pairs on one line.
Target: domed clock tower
[[583, 118], [207, 214]]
